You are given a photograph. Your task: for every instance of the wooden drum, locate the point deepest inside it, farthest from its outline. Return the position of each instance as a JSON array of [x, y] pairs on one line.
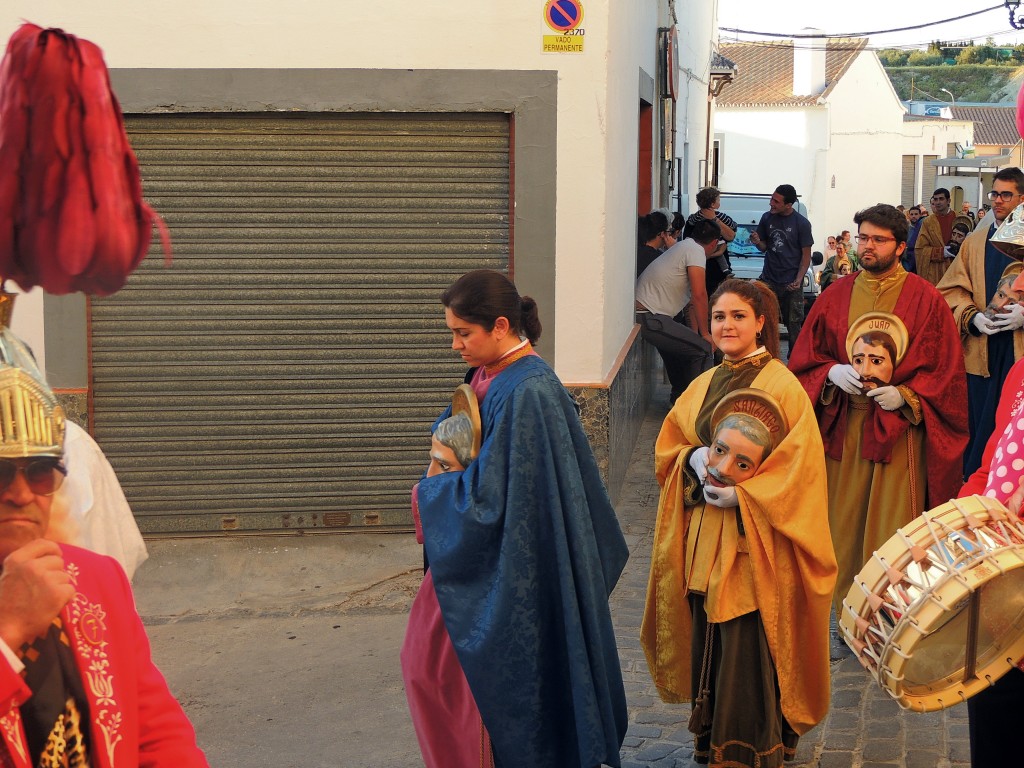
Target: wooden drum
[[937, 614]]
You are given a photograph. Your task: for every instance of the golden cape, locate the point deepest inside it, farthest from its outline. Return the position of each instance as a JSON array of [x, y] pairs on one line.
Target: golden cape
[[784, 508]]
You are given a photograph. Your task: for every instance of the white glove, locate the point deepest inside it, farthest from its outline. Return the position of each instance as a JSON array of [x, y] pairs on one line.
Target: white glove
[[724, 496], [983, 324], [845, 377], [889, 398], [699, 462], [1010, 318]]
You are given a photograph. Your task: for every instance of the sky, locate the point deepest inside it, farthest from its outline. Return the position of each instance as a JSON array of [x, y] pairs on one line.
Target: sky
[[836, 17]]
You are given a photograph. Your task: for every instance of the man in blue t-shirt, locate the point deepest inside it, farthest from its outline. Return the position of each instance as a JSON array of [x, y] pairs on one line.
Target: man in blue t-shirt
[[784, 237]]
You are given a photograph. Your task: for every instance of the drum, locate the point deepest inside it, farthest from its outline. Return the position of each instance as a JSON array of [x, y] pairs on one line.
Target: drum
[[937, 614]]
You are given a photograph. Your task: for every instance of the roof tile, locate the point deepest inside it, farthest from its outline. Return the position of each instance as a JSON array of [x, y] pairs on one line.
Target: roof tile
[[765, 72]]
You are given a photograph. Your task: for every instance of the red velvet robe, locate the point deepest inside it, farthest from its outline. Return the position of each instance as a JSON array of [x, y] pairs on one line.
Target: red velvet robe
[[134, 718], [933, 369]]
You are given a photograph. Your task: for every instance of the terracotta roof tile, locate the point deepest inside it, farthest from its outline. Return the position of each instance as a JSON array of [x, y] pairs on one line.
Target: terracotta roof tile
[[992, 125], [764, 73]]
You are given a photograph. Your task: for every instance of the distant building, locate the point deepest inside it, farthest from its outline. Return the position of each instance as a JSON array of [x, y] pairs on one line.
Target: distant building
[[827, 120]]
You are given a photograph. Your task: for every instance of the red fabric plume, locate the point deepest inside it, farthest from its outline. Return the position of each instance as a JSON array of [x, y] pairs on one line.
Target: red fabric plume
[[72, 217]]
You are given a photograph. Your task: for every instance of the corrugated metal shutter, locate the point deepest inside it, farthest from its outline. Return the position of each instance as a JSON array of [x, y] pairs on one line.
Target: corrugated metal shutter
[[928, 174], [284, 371], [908, 188]]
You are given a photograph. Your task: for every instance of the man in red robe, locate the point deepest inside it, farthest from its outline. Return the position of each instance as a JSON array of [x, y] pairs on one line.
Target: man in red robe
[[77, 683], [891, 451]]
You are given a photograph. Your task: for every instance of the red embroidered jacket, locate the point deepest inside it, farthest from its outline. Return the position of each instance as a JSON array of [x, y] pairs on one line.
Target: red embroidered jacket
[[135, 720]]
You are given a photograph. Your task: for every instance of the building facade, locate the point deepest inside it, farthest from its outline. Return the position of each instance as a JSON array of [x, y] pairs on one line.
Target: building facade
[[324, 175]]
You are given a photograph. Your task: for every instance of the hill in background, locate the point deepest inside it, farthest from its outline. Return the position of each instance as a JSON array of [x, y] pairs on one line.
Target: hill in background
[[983, 83]]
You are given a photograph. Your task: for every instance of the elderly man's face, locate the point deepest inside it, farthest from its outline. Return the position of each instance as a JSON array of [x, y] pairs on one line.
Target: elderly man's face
[[24, 512], [442, 459], [1004, 297]]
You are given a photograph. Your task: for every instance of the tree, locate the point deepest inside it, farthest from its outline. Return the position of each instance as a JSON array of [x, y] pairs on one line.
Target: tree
[[924, 59], [893, 57]]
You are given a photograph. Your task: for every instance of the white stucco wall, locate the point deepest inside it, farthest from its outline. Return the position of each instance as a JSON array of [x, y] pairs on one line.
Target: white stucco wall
[[763, 148], [597, 103], [866, 126], [932, 137], [695, 50]]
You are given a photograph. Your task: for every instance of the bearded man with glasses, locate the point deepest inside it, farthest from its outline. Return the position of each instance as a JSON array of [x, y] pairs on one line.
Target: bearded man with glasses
[[990, 345], [77, 684], [895, 450]]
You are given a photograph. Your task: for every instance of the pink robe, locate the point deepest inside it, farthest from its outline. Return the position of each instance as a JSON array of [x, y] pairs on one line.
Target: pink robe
[[448, 725]]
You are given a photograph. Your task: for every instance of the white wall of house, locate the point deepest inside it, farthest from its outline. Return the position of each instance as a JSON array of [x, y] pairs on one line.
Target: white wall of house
[[866, 139], [598, 97], [695, 51], [930, 138], [763, 148]]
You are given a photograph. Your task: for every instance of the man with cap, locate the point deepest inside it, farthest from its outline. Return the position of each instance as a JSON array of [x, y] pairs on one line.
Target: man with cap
[[990, 344], [77, 684], [895, 450]]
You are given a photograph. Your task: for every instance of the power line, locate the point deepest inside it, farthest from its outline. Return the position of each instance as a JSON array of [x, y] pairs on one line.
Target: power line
[[863, 34]]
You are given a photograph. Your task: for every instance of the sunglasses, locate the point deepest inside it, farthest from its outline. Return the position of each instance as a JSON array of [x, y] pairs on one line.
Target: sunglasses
[[43, 475]]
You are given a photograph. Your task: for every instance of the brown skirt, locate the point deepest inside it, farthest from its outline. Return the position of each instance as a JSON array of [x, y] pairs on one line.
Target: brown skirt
[[747, 727]]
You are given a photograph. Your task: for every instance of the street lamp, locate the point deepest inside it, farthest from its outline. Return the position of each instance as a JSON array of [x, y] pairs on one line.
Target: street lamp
[[952, 98], [1012, 6]]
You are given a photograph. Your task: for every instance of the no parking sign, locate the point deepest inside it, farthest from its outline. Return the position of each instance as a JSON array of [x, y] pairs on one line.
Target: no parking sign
[[565, 17]]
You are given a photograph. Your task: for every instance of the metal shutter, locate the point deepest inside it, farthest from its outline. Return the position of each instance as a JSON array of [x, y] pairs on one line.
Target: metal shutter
[[928, 174], [284, 371], [908, 188]]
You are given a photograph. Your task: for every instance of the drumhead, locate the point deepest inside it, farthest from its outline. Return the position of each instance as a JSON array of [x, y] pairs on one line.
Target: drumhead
[[937, 614]]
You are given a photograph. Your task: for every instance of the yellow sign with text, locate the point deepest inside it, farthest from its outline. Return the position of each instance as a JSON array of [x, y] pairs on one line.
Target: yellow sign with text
[[563, 43]]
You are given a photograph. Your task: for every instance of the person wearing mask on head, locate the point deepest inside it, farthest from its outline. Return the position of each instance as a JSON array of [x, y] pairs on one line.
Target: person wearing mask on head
[[742, 568], [990, 345], [891, 451], [512, 634], [930, 248], [784, 237]]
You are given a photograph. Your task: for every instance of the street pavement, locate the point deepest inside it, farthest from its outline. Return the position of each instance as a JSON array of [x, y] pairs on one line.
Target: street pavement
[[284, 652]]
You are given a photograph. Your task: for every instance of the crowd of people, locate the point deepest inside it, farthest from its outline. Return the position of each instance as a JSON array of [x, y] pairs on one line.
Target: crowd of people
[[906, 366], [778, 481]]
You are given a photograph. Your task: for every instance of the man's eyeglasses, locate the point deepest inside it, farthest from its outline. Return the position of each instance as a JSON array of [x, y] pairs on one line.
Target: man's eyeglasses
[[43, 475], [873, 239], [1006, 195]]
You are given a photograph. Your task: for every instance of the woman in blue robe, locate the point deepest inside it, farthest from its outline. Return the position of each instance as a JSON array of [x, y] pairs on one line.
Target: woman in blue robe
[[523, 549]]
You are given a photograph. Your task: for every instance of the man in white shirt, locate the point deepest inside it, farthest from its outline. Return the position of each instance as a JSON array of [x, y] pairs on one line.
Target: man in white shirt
[[673, 280]]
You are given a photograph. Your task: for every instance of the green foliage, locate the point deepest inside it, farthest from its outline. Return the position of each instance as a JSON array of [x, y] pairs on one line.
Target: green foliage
[[927, 58], [893, 57], [968, 82]]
